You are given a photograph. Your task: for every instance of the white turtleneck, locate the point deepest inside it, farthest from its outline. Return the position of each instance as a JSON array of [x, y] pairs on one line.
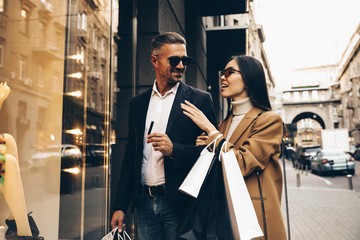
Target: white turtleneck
[[239, 109]]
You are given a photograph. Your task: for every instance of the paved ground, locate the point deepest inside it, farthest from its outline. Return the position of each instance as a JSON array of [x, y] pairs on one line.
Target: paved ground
[[320, 212]]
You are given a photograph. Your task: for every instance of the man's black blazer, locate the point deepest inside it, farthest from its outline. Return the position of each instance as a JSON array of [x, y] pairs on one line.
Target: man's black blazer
[[181, 130]]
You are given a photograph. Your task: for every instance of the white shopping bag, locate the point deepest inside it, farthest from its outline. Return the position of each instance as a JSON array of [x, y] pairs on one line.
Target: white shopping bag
[[115, 235], [244, 222], [195, 178]]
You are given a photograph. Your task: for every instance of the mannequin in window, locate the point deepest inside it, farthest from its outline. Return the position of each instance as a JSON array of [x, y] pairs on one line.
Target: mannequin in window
[[21, 226]]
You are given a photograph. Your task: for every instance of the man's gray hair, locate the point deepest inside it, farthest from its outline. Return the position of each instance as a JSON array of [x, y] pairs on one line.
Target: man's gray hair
[[168, 37]]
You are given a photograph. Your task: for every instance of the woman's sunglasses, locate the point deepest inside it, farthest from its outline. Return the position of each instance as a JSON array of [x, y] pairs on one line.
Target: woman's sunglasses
[[174, 61], [227, 72]]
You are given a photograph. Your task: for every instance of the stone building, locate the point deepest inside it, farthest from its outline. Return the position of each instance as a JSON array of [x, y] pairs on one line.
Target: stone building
[[349, 81]]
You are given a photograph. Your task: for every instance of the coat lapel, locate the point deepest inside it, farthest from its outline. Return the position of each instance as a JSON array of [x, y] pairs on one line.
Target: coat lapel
[[244, 124], [224, 127], [181, 95]]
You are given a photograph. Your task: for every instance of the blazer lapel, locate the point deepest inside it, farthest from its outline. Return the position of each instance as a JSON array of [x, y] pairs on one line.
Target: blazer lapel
[[141, 111], [181, 95], [244, 124]]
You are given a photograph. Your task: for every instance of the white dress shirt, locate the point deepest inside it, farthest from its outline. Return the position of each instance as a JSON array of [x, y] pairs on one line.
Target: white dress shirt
[[152, 170]]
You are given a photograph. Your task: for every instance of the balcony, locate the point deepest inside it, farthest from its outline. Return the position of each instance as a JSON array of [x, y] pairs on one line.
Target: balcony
[[47, 50], [308, 96]]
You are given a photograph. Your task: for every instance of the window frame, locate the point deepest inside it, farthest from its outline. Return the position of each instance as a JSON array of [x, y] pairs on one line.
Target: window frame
[[2, 54]]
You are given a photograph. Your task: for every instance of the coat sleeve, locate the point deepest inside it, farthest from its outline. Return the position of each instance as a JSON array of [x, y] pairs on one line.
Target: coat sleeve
[[185, 155], [262, 142]]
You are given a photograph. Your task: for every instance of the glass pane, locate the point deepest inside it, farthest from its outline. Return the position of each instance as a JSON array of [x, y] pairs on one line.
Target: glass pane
[[89, 77]]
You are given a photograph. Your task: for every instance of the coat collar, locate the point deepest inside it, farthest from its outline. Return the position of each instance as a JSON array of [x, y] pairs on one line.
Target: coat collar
[[243, 125]]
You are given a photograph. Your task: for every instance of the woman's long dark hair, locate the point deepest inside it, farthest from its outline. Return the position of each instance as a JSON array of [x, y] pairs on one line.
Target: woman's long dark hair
[[253, 75]]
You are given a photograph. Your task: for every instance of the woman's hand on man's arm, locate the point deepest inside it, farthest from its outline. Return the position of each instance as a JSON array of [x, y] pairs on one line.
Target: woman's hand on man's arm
[[198, 117]]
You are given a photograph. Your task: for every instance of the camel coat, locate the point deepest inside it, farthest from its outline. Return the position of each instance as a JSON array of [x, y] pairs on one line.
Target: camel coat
[[256, 142]]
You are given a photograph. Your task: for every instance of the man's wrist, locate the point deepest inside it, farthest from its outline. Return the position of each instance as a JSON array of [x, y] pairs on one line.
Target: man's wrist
[[171, 155]]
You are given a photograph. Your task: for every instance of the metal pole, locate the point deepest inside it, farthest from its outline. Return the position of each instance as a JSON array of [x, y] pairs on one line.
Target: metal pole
[[298, 179], [332, 171], [286, 193], [349, 176]]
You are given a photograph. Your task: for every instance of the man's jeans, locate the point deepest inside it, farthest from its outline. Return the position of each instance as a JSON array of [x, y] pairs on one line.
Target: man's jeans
[[155, 219]]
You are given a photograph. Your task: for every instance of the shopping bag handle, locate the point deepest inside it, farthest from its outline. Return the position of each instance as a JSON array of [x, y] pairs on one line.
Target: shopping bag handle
[[112, 234], [223, 150], [125, 235], [213, 142]]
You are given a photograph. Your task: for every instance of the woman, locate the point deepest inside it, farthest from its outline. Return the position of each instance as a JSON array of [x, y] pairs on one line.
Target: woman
[[255, 133]]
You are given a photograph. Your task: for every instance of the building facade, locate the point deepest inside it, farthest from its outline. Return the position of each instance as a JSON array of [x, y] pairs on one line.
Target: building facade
[[349, 87], [311, 104], [232, 34]]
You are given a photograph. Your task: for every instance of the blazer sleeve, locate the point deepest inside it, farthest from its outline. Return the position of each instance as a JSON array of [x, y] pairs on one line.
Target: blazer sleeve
[[125, 185], [185, 155], [259, 147]]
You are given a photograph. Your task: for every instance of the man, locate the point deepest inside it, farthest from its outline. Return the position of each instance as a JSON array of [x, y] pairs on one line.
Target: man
[[155, 164]]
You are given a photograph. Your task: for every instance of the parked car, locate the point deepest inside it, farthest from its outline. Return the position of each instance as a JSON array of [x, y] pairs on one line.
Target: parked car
[[71, 156], [332, 160], [304, 154], [95, 154]]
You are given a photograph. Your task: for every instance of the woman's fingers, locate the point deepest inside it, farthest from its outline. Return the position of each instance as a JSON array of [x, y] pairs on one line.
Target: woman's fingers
[[191, 110], [190, 104], [201, 140], [202, 137], [187, 108], [197, 116]]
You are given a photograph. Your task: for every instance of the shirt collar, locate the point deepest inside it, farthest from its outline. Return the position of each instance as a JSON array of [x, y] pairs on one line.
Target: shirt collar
[[172, 90]]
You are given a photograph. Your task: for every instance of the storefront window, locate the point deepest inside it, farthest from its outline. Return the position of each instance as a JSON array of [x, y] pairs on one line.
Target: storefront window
[[55, 57]]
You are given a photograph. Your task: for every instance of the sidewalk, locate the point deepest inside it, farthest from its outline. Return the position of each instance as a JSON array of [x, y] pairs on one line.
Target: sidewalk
[[318, 212]]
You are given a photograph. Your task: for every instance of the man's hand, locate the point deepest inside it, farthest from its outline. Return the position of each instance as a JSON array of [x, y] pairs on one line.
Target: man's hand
[[161, 142], [117, 220]]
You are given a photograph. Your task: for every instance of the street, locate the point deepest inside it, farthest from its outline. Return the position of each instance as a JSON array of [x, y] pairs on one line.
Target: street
[[322, 207]]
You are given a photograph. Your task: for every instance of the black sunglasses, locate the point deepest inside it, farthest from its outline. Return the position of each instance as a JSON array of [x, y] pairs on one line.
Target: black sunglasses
[[174, 61], [227, 72]]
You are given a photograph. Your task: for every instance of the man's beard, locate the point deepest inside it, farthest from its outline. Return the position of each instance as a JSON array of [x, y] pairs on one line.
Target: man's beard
[[175, 78]]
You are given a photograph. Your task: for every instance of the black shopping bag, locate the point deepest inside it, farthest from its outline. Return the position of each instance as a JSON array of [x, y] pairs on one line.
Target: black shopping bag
[[207, 216]]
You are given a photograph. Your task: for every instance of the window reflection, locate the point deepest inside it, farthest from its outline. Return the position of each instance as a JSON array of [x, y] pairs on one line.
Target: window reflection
[[57, 110], [2, 5], [24, 22]]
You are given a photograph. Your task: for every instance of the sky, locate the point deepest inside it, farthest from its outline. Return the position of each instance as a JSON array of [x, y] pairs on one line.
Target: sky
[[305, 33]]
